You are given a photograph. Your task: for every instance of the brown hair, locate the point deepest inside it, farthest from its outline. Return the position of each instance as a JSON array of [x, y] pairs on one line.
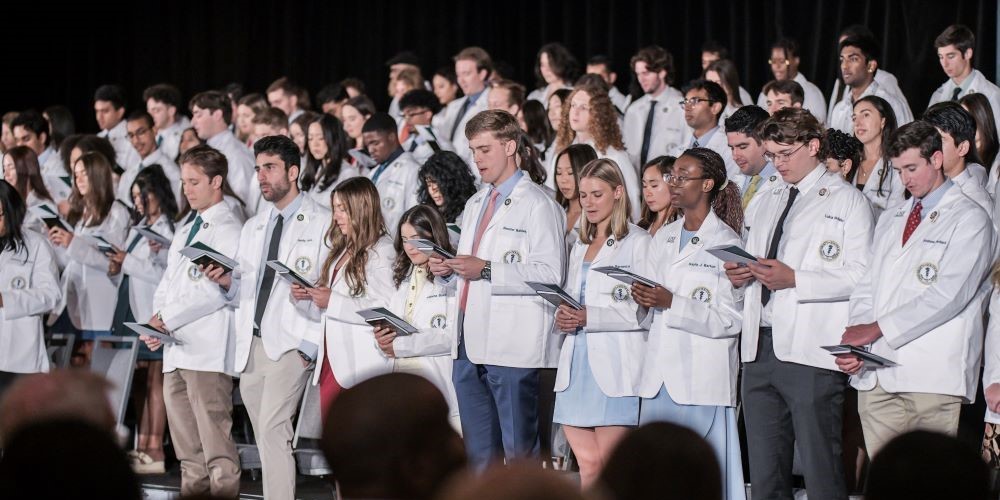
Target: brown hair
[[579, 156], [515, 90], [502, 124], [361, 200], [663, 165], [411, 76], [657, 59], [97, 203], [608, 171], [213, 164], [791, 125], [213, 100], [28, 173], [603, 121], [479, 56], [256, 102], [790, 87], [429, 225], [272, 117]]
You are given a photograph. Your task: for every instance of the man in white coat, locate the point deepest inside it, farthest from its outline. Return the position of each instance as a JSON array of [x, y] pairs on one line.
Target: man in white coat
[[886, 80], [31, 129], [473, 67], [960, 161], [784, 62], [211, 113], [109, 111], [921, 305], [602, 66], [759, 174], [395, 171], [654, 123], [513, 233], [140, 134], [812, 238], [858, 67], [954, 49], [275, 342], [162, 103], [423, 139], [197, 381], [704, 102]]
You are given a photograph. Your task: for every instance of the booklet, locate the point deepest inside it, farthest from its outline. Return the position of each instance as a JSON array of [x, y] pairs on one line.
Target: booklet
[[873, 360], [377, 315], [144, 329], [362, 159], [626, 276], [204, 255], [151, 235], [286, 273], [554, 294], [437, 145], [104, 246], [455, 229], [430, 249], [51, 217], [732, 253]]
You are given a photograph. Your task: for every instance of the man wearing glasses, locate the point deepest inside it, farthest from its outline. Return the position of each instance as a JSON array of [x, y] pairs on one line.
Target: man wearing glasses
[[420, 137], [139, 130], [784, 62], [812, 238], [703, 104]]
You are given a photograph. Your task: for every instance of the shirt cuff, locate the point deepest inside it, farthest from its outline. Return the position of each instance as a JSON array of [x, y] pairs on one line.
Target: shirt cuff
[[309, 349]]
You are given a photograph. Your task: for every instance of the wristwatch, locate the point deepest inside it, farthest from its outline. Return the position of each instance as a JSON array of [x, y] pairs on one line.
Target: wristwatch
[[486, 272]]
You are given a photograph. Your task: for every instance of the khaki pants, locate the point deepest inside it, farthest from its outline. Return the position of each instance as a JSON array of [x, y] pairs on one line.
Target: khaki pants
[[886, 415], [271, 391], [200, 412]]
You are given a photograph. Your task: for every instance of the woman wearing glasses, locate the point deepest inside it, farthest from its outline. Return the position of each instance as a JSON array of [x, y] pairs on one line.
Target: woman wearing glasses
[[689, 377]]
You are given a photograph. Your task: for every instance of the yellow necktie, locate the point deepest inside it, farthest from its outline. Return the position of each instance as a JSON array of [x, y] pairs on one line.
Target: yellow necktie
[[751, 190]]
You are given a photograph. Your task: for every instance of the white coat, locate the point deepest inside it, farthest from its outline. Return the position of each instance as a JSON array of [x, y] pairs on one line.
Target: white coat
[[397, 188], [719, 143], [928, 298], [89, 293], [980, 84], [125, 155], [322, 196], [432, 345], [814, 100], [669, 127], [827, 242], [170, 169], [444, 118], [350, 341], [892, 192], [424, 150], [616, 343], [974, 190], [169, 138], [506, 323], [843, 112], [145, 269], [459, 141], [693, 345], [886, 80], [192, 306], [241, 175], [29, 285], [633, 187], [302, 248]]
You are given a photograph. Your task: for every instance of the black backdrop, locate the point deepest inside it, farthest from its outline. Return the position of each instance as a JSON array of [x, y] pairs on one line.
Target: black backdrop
[[60, 54]]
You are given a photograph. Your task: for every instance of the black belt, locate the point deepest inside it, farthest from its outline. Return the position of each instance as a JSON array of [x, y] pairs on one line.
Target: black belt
[[764, 330], [256, 332]]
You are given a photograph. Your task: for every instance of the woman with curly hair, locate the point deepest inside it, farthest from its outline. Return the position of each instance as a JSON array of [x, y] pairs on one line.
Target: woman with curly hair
[[589, 117], [841, 153], [446, 183]]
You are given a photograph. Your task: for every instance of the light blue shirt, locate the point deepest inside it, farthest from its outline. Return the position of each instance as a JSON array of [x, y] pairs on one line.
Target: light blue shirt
[[703, 140], [931, 200], [505, 189], [686, 236], [765, 173]]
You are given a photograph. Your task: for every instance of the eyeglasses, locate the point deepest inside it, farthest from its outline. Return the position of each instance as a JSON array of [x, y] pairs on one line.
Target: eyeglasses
[[778, 62], [677, 180], [694, 101], [411, 114], [138, 132], [783, 157]]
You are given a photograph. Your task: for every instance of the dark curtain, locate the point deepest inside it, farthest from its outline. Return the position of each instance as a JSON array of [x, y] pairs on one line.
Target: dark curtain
[[59, 53]]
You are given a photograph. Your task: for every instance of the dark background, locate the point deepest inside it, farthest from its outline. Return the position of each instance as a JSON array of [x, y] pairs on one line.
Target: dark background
[[58, 54]]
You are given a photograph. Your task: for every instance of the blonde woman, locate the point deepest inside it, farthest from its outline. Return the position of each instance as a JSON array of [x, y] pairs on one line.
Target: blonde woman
[[601, 358]]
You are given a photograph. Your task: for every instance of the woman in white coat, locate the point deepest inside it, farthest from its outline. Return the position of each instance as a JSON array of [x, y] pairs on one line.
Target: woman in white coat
[[357, 275], [326, 163], [569, 163], [874, 124], [21, 170], [425, 304], [29, 288], [89, 292], [601, 357], [138, 269], [657, 211], [689, 377]]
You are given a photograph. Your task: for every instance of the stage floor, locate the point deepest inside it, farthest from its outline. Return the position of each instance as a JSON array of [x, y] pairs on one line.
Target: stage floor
[[167, 486]]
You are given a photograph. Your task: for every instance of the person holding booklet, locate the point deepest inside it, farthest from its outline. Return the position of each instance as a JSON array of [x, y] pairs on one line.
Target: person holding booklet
[[921, 304], [89, 292], [138, 269], [694, 318], [197, 363], [356, 275], [21, 170], [423, 303], [601, 356]]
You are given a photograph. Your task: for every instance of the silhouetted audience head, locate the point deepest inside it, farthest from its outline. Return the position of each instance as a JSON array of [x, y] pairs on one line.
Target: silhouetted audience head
[[521, 481], [390, 437], [661, 461], [77, 394], [65, 459], [927, 465]]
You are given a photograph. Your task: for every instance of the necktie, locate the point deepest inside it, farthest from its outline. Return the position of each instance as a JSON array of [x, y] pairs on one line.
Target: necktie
[[413, 145], [480, 229], [123, 309], [191, 216], [458, 119], [647, 133], [751, 190], [264, 292], [378, 172], [695, 144], [194, 230], [954, 93], [772, 250], [912, 221]]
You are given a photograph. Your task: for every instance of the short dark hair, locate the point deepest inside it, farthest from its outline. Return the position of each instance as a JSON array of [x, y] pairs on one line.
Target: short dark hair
[[272, 117], [331, 92], [500, 123], [601, 60], [919, 134], [715, 47], [746, 121], [951, 118], [657, 59], [715, 92], [958, 35], [33, 121], [111, 93], [285, 85], [791, 125], [281, 146], [165, 93], [363, 104], [788, 46], [380, 122], [420, 98], [141, 114], [790, 87], [213, 100], [234, 90], [866, 44]]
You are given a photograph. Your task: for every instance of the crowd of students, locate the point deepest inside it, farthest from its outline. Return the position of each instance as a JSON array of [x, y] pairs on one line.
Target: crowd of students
[[711, 254]]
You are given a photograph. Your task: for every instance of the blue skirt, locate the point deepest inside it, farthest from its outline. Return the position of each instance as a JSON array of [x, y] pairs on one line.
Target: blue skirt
[[583, 403], [717, 424]]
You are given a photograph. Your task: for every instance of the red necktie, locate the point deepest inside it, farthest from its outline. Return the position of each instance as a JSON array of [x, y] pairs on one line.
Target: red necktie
[[912, 221], [483, 222]]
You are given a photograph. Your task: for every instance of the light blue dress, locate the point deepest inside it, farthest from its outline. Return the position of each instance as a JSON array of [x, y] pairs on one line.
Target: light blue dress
[[717, 424], [582, 403]]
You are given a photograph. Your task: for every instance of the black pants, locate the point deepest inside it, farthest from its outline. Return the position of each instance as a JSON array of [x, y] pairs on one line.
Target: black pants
[[7, 378]]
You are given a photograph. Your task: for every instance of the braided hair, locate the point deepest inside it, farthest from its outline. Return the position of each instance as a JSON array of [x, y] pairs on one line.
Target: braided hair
[[725, 196]]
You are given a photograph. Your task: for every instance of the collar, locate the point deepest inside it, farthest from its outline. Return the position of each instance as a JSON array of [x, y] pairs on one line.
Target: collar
[[475, 97], [153, 158], [810, 180], [46, 153], [768, 171], [288, 211], [703, 140], [800, 79], [393, 157], [871, 89], [214, 212], [117, 130], [930, 200], [216, 140], [965, 83], [507, 187]]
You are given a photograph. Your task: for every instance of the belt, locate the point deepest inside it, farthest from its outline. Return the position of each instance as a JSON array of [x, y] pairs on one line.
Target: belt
[[256, 332]]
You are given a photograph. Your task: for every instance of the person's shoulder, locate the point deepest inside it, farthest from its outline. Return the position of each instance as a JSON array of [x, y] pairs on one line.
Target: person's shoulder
[[637, 234]]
